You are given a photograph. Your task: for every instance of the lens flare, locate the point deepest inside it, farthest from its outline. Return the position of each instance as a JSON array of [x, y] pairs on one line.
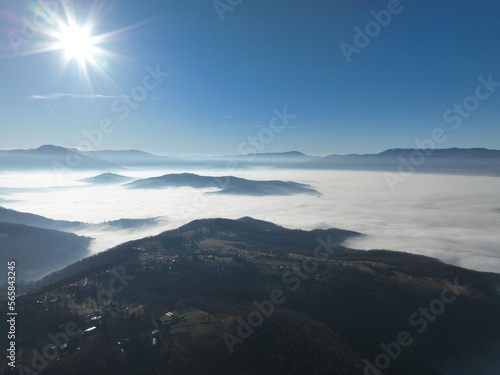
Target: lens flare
[[77, 44]]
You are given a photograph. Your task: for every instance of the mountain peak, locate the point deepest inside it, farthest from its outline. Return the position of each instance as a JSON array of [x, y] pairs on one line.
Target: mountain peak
[[51, 149]]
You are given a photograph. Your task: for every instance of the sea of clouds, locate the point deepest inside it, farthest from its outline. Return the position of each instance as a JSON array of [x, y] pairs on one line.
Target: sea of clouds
[[452, 218]]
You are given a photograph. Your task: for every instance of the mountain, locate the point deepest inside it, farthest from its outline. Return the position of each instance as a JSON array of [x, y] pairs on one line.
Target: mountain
[[243, 233], [219, 296], [226, 184], [476, 161], [126, 223], [270, 158], [277, 155], [135, 158], [107, 178], [39, 251], [24, 218], [469, 153], [120, 154], [25, 232], [263, 234], [51, 157], [61, 158]]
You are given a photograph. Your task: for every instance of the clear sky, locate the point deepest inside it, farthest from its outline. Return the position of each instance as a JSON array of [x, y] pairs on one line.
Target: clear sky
[[232, 64]]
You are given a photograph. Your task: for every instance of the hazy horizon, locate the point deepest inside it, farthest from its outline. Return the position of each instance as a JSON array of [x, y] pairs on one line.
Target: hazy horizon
[[144, 148]]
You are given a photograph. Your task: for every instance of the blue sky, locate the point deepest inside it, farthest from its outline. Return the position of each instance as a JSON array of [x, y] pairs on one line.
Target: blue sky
[[229, 72]]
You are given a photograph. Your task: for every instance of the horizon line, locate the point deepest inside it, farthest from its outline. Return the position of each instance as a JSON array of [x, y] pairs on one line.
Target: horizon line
[[69, 148]]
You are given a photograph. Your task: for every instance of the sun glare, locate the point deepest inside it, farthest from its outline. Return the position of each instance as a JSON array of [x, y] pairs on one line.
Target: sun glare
[[77, 44]]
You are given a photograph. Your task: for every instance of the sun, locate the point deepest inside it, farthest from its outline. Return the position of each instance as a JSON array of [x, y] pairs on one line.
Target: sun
[[77, 43], [85, 48]]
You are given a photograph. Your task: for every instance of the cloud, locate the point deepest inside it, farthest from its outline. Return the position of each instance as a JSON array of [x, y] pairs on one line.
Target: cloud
[[257, 126], [77, 96], [229, 117], [442, 216]]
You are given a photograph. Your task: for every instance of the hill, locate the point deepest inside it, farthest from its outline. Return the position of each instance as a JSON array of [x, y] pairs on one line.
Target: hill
[[226, 184], [25, 218], [107, 178], [220, 296], [39, 251]]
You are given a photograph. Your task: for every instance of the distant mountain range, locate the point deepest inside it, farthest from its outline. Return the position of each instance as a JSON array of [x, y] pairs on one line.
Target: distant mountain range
[[219, 296], [267, 158], [226, 184], [51, 157], [473, 161], [134, 158]]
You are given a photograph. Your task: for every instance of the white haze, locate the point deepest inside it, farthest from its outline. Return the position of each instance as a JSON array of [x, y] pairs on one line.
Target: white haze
[[452, 218]]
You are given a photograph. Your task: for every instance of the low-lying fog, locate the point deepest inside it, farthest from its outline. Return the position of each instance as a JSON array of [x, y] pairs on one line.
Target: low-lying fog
[[453, 218]]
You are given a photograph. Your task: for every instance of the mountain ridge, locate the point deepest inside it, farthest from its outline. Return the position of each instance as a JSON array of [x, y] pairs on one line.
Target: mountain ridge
[[24, 218], [38, 251], [225, 184], [457, 161], [210, 275]]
